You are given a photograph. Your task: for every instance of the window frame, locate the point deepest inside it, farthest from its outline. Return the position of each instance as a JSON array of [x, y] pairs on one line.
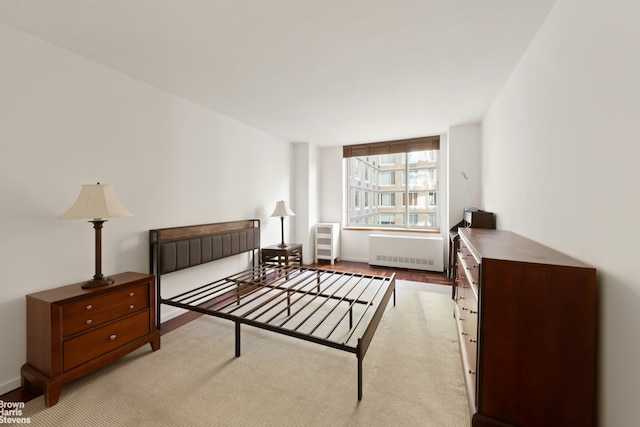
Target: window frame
[[413, 174]]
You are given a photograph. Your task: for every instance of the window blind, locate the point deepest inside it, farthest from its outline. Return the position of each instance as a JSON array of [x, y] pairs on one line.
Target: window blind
[[392, 147]]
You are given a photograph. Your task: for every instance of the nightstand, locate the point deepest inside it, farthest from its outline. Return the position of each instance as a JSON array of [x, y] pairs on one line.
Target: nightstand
[[282, 256], [73, 331]]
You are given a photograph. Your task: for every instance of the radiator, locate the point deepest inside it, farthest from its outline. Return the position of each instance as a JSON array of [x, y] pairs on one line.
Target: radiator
[[407, 251]]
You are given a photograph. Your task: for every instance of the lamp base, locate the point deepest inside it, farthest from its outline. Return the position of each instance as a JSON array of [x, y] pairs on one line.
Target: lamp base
[[97, 282], [282, 245]]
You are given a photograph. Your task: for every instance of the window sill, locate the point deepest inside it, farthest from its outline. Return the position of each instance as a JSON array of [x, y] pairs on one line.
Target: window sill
[[395, 230]]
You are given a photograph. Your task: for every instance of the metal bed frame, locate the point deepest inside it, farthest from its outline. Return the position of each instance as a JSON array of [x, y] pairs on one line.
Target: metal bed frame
[[336, 309]]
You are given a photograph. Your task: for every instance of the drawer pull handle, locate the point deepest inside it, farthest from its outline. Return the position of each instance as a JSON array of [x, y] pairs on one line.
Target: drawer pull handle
[[131, 307], [113, 337], [88, 322], [472, 372], [473, 312], [131, 294], [472, 340], [89, 307]]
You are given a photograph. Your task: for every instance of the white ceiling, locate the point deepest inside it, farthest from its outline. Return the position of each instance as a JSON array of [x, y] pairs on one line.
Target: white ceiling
[[328, 72]]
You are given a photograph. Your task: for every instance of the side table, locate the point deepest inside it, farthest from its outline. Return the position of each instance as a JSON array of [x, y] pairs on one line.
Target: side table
[[282, 256], [73, 331]]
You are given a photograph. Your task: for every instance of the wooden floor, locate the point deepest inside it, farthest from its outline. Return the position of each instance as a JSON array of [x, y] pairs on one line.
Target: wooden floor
[[401, 273], [19, 395]]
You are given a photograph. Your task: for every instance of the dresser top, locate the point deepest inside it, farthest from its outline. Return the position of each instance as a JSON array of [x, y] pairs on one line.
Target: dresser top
[[509, 246], [69, 292]]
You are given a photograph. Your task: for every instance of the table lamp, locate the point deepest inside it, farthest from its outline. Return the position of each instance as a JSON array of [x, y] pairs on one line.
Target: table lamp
[[282, 210], [95, 203]]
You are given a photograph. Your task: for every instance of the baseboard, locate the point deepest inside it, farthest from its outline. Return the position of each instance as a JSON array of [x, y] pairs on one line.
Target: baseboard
[[169, 312], [10, 385]]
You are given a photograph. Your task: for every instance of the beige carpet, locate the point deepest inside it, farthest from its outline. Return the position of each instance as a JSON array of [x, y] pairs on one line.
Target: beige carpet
[[412, 377]]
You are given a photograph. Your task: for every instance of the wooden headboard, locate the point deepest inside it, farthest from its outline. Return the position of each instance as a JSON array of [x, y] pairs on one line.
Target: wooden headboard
[[177, 248]]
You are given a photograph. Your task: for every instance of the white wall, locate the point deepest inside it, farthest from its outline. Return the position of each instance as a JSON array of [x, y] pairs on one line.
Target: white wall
[[560, 160], [306, 195], [66, 121], [464, 156], [331, 184]]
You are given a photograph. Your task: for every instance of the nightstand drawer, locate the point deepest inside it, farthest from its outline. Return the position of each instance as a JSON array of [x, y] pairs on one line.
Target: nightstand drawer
[[79, 350], [106, 301], [92, 318]]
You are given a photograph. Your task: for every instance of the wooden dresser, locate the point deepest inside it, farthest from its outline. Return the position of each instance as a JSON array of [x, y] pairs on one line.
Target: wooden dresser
[[73, 331], [526, 318]]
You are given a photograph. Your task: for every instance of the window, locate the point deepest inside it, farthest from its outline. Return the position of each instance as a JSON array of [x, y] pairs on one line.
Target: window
[[387, 199], [387, 219], [432, 198], [413, 199], [413, 219], [386, 159], [387, 178], [414, 177], [410, 204], [431, 177]]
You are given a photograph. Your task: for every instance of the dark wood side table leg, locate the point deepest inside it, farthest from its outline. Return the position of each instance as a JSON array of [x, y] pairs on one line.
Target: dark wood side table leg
[[52, 395], [155, 343], [51, 390]]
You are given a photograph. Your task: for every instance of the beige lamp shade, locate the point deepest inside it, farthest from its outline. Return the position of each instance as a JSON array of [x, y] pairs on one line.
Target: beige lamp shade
[[96, 201], [282, 209]]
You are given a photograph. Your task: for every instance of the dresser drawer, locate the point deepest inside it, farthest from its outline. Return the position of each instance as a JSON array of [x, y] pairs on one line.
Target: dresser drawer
[[77, 351], [469, 269], [97, 308]]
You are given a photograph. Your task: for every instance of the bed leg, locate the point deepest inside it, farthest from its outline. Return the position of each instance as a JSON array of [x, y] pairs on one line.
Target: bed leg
[[237, 339], [359, 378]]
